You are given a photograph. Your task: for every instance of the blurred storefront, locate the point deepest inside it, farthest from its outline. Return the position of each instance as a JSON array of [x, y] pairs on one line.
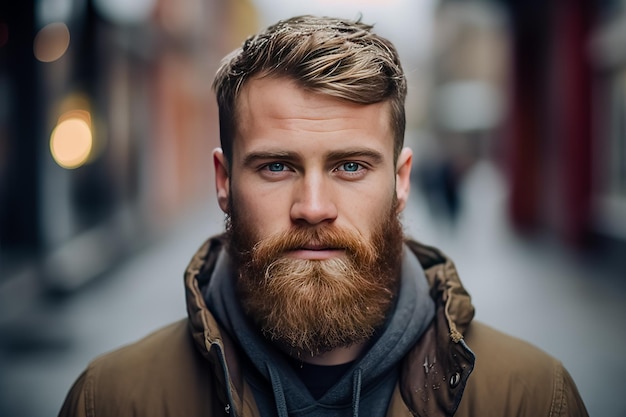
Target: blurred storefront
[[107, 122], [549, 130]]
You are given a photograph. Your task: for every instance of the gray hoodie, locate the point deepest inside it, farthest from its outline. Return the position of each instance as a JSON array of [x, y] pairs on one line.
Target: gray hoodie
[[366, 385]]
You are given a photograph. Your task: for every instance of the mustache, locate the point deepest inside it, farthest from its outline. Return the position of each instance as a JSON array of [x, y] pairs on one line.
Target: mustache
[[352, 242]]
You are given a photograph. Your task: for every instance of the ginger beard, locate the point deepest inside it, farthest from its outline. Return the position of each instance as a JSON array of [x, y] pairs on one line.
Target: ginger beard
[[314, 306]]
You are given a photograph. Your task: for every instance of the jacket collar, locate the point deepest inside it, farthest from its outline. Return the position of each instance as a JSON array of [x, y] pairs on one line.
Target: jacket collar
[[435, 372]]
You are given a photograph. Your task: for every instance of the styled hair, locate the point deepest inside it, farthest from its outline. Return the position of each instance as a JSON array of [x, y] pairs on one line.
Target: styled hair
[[330, 56]]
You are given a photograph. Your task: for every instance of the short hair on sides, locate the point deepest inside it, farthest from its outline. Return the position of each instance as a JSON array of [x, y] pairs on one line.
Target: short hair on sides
[[331, 56]]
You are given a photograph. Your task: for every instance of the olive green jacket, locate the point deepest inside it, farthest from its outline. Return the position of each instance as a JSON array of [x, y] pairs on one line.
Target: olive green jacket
[[192, 368]]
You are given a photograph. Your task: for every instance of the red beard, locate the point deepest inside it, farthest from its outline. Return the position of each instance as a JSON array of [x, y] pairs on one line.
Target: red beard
[[314, 306]]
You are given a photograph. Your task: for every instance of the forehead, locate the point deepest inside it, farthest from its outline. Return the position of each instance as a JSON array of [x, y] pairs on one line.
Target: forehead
[[272, 106]]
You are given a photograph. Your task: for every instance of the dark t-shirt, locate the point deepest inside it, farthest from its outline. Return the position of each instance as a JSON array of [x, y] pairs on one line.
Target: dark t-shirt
[[319, 378]]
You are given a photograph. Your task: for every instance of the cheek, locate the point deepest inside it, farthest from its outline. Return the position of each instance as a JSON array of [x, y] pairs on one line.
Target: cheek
[[261, 213], [367, 211]]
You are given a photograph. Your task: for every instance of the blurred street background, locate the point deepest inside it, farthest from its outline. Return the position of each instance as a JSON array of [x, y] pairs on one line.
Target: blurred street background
[[516, 115]]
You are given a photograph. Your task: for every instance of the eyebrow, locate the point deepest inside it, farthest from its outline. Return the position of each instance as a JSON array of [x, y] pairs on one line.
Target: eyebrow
[[375, 156], [255, 157]]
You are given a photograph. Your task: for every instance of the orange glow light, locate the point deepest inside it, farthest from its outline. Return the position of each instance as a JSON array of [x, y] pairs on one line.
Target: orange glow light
[[71, 141]]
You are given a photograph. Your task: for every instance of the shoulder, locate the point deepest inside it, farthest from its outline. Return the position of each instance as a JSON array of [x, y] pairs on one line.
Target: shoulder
[[161, 374], [513, 377], [503, 350], [156, 353]]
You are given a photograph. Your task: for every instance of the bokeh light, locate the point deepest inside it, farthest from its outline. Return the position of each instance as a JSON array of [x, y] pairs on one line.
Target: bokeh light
[[71, 141], [51, 42]]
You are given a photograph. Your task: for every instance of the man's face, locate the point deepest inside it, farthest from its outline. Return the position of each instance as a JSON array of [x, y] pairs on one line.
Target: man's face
[[313, 193]]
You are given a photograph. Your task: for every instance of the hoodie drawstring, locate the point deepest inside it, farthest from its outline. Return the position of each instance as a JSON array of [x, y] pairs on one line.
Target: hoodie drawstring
[[279, 394], [356, 392]]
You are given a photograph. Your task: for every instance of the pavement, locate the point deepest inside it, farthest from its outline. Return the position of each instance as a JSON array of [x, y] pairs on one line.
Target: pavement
[[568, 304]]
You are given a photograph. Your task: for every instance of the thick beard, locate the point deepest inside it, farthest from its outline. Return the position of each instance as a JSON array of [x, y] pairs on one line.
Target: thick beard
[[314, 306]]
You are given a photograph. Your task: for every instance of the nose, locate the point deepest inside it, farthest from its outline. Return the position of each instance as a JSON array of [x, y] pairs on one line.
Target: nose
[[313, 201]]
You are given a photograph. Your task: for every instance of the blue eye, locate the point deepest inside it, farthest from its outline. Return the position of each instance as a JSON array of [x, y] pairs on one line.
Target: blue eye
[[350, 167], [276, 167]]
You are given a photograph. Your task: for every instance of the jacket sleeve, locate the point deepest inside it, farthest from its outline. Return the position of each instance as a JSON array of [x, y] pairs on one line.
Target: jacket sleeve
[[76, 404]]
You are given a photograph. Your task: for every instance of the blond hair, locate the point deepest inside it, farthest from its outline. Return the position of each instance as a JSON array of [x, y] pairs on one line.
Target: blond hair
[[335, 57]]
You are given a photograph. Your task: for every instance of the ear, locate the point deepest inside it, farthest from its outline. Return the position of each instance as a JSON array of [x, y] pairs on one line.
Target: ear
[[222, 179], [403, 177]]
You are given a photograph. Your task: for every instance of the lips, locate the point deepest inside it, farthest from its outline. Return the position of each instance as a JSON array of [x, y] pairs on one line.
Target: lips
[[315, 251], [317, 246]]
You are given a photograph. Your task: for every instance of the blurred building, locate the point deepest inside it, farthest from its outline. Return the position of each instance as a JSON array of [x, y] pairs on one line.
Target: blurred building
[[107, 122], [538, 88]]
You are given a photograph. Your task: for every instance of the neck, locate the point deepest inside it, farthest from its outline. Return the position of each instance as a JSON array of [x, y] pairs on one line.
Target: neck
[[336, 356]]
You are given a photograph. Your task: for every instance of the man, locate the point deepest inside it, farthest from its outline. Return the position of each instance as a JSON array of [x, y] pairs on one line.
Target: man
[[313, 303]]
